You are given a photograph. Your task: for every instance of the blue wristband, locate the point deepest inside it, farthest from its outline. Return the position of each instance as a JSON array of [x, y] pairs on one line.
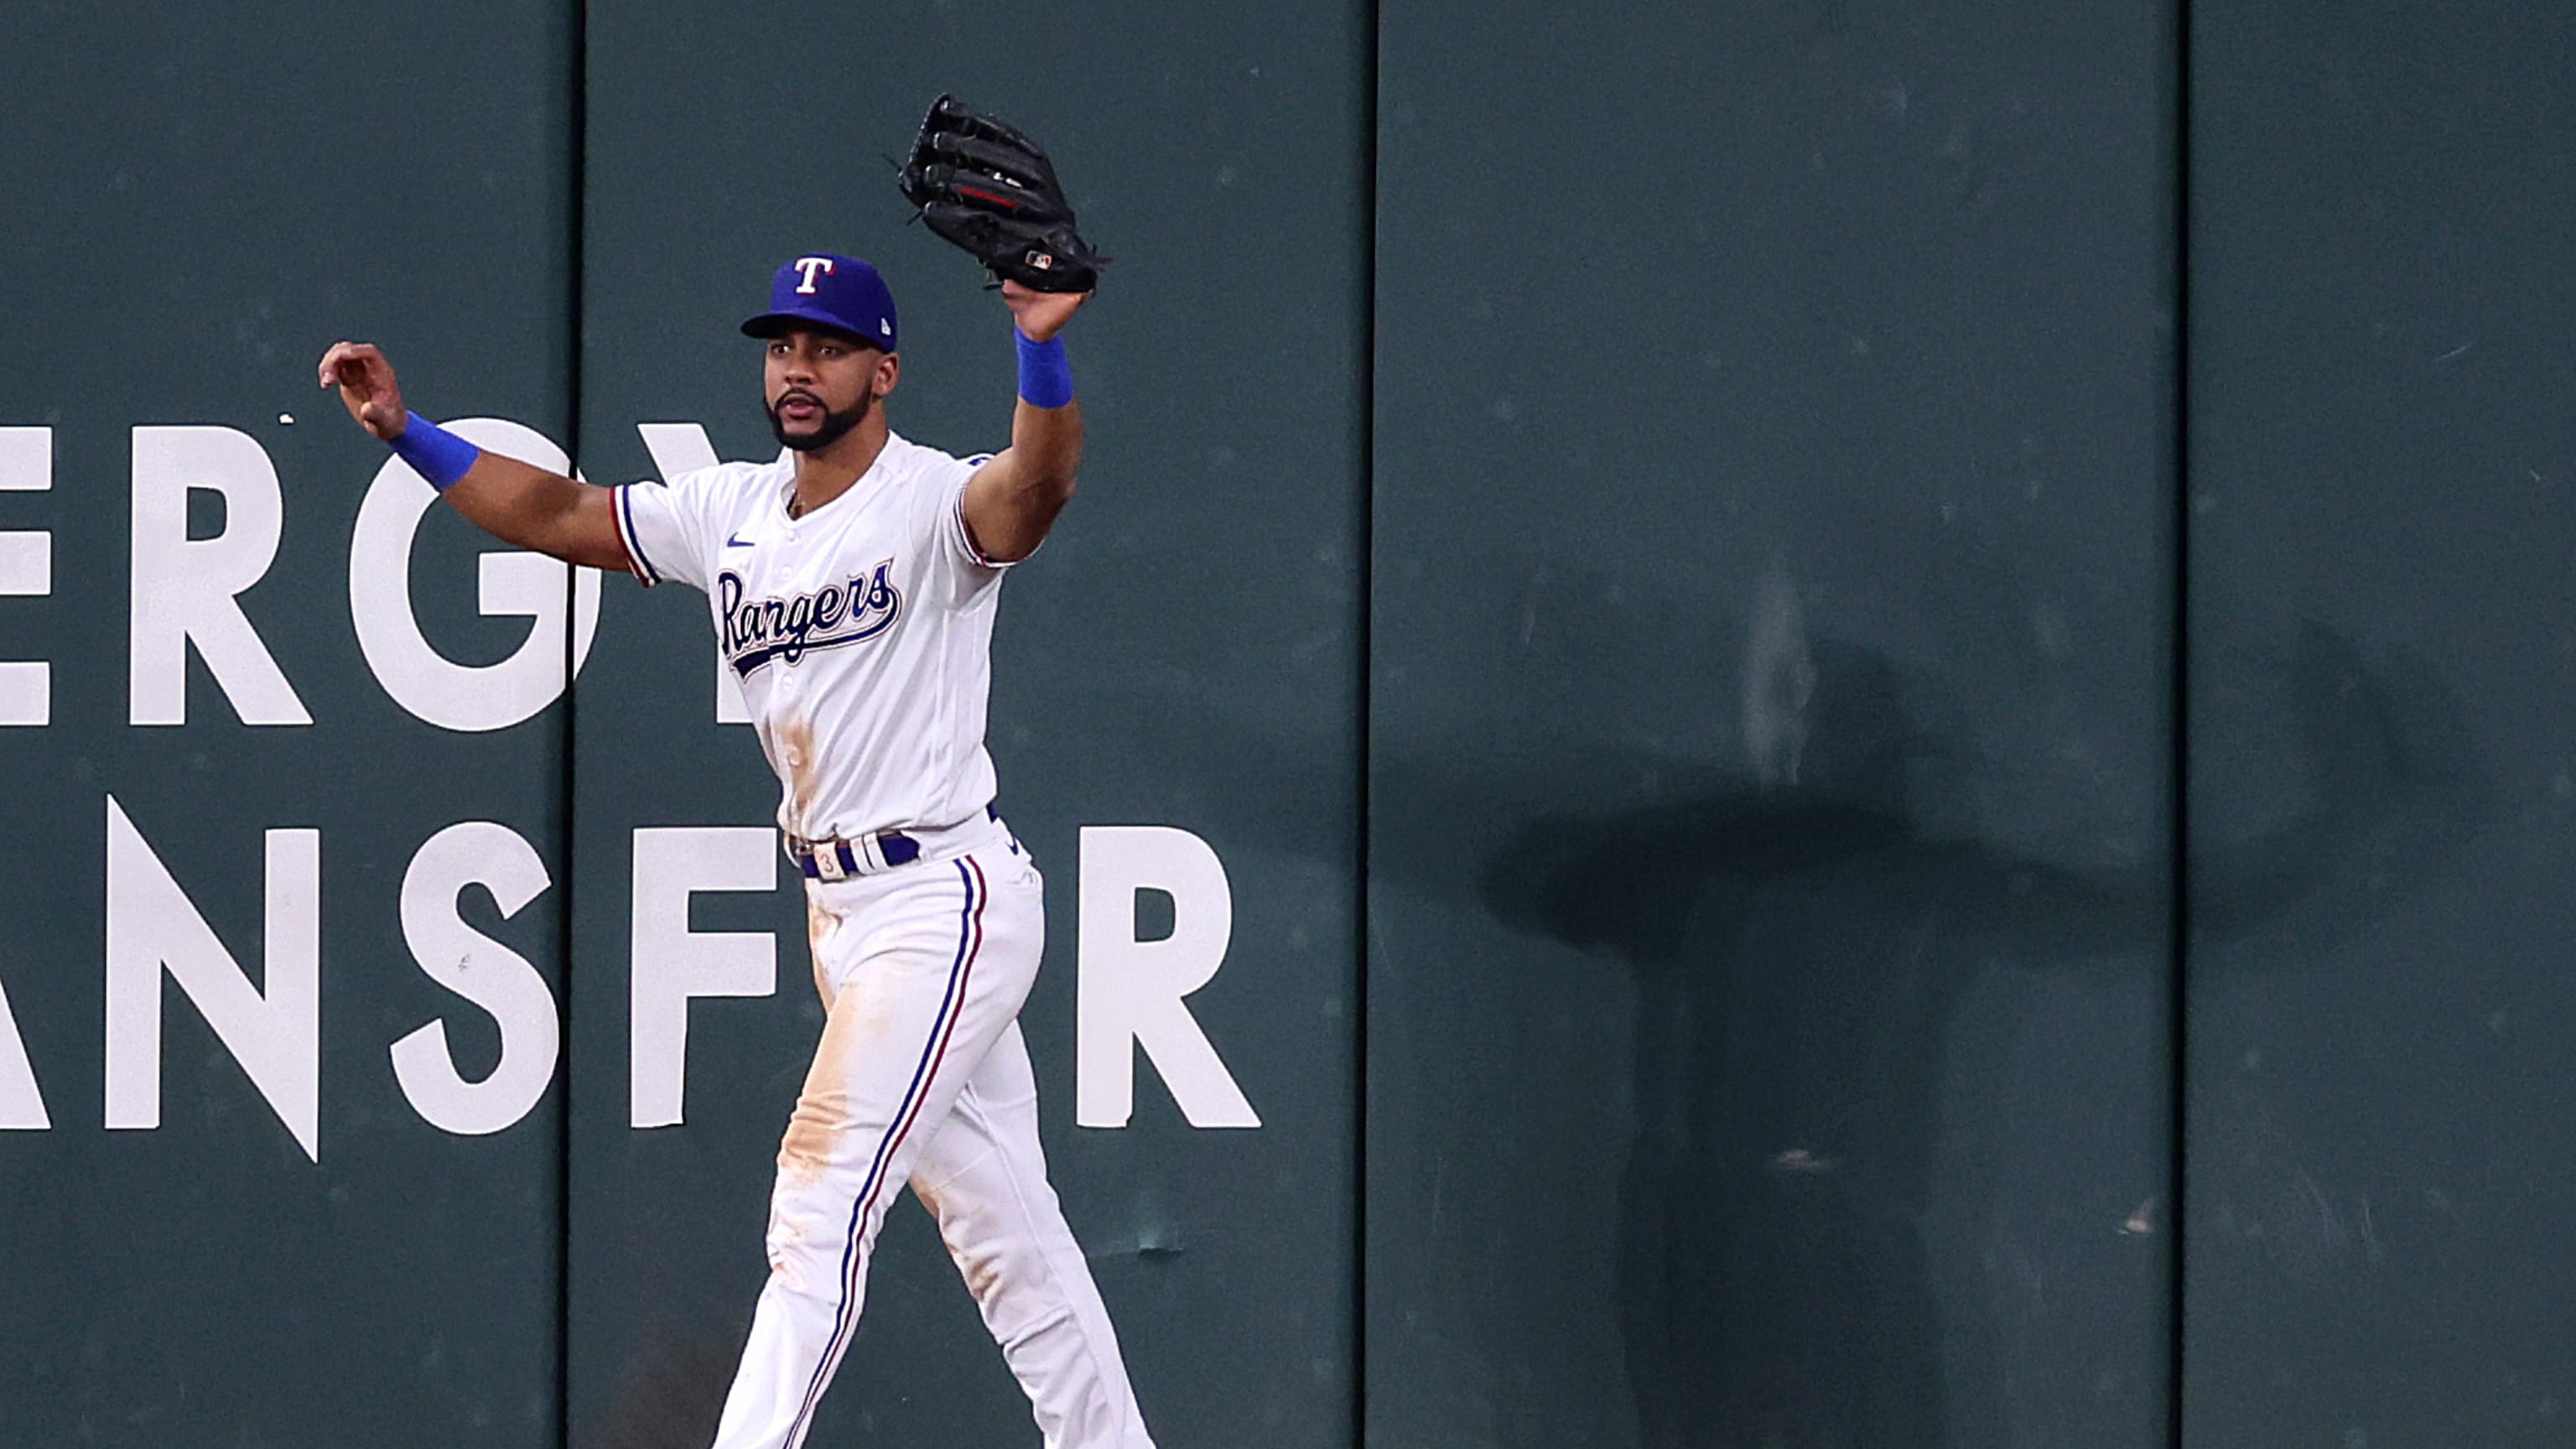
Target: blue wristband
[[1046, 381], [433, 452]]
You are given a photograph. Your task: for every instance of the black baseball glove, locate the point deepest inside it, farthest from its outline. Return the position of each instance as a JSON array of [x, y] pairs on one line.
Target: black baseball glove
[[985, 186]]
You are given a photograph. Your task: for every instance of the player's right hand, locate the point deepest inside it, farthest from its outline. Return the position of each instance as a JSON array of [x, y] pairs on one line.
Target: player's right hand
[[367, 388]]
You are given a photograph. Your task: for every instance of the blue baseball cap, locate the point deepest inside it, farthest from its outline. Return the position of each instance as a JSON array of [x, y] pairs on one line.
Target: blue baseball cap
[[824, 290]]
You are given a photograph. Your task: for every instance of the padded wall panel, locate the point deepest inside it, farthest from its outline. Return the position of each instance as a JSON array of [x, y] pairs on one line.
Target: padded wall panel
[[202, 199], [1183, 653], [2381, 688], [1769, 888]]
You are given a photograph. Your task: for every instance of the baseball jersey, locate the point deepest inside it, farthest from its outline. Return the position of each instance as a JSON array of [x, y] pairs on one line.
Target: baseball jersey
[[861, 632]]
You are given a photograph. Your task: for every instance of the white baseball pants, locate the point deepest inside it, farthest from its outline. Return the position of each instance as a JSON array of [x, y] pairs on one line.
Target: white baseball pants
[[921, 1076]]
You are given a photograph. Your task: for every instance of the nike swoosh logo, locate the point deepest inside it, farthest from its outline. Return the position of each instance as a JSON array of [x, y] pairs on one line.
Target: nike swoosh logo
[[738, 541]]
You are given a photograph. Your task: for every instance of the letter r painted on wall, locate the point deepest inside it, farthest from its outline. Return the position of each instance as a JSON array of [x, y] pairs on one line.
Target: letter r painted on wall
[[1132, 991]]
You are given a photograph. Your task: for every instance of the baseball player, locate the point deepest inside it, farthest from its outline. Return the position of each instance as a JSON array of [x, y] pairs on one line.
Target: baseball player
[[853, 582]]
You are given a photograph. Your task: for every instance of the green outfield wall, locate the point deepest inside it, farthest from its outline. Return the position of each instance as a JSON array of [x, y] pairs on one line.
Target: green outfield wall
[[1844, 725]]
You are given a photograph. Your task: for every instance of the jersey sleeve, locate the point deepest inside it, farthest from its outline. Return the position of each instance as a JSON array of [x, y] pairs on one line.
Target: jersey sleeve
[[665, 529], [957, 541]]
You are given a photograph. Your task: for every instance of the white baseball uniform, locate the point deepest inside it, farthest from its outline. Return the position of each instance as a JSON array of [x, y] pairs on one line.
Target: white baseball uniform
[[861, 633]]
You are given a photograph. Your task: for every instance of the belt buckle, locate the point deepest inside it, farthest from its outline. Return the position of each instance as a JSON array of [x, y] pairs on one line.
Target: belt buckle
[[827, 861]]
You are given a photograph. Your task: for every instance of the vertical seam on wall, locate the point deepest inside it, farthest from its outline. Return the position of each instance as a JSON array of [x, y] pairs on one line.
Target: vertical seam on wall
[[2178, 997], [576, 222], [1365, 561]]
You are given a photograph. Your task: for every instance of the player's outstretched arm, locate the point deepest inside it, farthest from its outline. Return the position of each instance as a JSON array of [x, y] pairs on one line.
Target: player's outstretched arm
[[518, 503], [1013, 500]]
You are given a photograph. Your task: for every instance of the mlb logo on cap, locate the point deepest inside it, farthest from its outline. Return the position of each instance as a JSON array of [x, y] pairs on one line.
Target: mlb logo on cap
[[824, 290]]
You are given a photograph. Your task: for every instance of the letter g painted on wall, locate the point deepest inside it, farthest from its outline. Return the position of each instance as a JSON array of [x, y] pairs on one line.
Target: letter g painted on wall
[[430, 685]]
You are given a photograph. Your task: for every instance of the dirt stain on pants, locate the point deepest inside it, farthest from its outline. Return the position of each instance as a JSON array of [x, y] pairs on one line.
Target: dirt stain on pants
[[820, 922], [823, 1108]]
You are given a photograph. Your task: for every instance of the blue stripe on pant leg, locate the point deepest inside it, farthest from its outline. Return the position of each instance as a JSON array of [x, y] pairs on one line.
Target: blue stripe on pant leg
[[843, 1319]]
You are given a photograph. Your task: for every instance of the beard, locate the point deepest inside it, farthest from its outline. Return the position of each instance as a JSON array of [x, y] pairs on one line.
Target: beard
[[833, 428]]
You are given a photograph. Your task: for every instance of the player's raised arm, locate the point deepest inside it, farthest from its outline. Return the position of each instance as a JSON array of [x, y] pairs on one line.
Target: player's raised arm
[[1013, 500], [518, 503]]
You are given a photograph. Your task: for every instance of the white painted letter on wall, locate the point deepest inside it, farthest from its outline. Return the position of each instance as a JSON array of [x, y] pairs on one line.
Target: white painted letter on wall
[[481, 970], [274, 1031], [672, 964], [189, 592], [679, 448], [22, 1107], [1131, 991], [465, 697], [26, 571]]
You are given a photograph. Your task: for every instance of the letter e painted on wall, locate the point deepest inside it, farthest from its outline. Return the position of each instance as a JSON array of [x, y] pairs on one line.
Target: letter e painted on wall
[[26, 571], [1131, 991], [672, 964]]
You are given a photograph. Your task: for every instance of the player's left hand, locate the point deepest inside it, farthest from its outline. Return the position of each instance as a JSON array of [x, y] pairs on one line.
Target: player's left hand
[[1041, 315]]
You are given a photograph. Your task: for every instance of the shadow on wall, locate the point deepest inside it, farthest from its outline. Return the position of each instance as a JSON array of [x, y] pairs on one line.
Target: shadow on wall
[[1799, 940], [671, 1390]]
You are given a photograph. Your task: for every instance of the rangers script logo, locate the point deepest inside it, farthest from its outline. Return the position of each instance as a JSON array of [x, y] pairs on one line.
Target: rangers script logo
[[764, 629]]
